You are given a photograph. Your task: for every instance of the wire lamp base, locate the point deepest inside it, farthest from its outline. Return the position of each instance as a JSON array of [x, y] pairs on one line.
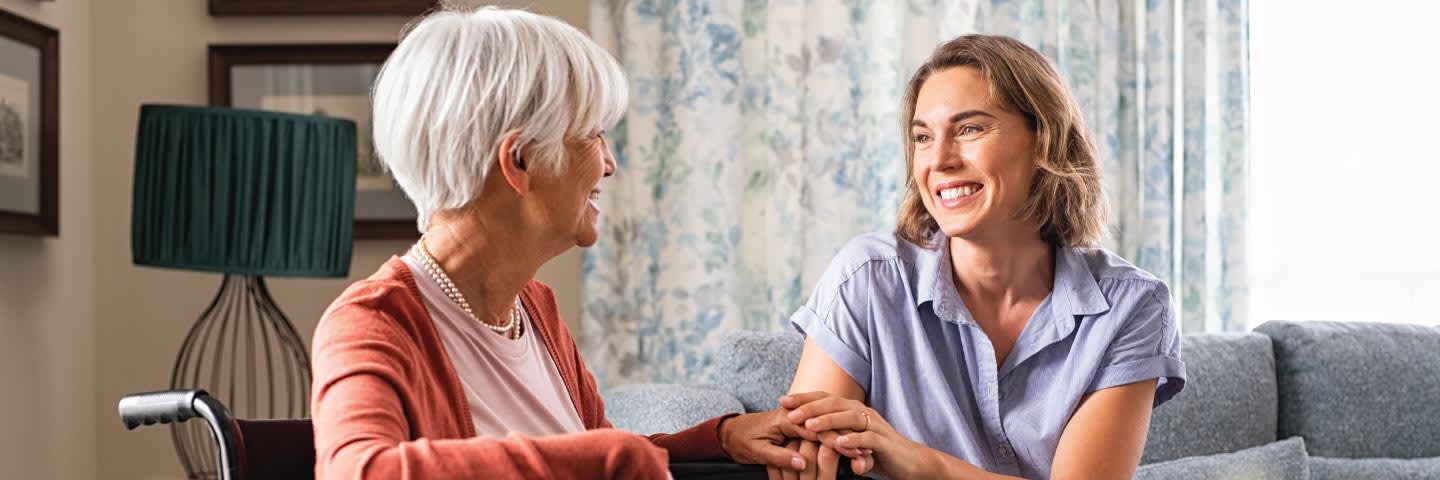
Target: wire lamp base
[[244, 351]]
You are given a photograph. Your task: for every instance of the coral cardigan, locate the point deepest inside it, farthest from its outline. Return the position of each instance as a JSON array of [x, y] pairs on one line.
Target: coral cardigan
[[387, 402]]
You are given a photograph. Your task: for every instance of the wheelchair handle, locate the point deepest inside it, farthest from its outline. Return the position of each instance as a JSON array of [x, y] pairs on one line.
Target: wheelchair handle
[[176, 406], [149, 408]]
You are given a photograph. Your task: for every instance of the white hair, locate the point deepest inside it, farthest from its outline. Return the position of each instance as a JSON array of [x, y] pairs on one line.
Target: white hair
[[461, 81]]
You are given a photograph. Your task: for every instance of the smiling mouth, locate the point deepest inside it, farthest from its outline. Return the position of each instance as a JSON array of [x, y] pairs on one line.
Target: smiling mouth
[[594, 200], [958, 191]]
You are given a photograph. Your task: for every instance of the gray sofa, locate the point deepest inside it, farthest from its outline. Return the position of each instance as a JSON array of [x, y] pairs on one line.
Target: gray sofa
[[1292, 400]]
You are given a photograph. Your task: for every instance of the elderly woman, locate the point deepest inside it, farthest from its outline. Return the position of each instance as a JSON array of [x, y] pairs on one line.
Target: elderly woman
[[987, 337], [451, 360]]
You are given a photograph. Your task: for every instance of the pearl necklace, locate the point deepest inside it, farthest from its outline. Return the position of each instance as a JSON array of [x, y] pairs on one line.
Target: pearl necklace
[[513, 326]]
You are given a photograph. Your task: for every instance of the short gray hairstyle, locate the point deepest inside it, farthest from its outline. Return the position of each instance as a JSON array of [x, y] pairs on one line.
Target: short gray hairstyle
[[462, 80]]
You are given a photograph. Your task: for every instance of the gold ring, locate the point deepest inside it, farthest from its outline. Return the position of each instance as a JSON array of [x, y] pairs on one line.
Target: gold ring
[[867, 421]]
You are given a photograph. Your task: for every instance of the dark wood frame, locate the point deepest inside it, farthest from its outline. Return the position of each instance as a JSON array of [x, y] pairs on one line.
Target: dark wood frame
[[224, 57], [47, 40], [320, 7]]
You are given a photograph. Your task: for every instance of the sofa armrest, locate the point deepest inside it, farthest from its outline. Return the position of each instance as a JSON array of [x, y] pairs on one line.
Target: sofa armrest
[[647, 408]]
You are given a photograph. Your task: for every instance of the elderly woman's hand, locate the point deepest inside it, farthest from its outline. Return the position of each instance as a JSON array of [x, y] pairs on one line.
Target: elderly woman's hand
[[788, 450], [858, 432], [761, 438]]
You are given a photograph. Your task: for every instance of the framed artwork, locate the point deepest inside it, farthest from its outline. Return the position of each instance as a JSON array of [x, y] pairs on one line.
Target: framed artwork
[[29, 127], [320, 7], [320, 79]]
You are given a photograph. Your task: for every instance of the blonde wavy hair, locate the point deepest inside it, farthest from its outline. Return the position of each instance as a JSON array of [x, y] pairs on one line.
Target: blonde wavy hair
[[1066, 198]]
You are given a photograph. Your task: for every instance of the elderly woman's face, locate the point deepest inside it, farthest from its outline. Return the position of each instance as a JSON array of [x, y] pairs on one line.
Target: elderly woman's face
[[572, 195], [974, 161]]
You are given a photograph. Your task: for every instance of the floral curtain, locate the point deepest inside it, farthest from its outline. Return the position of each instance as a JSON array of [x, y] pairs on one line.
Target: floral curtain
[[763, 134]]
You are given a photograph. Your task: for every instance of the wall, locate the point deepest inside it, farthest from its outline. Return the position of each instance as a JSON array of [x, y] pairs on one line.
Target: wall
[[47, 306], [154, 51]]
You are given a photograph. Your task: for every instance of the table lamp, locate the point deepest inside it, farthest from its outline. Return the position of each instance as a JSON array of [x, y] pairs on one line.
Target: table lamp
[[248, 194]]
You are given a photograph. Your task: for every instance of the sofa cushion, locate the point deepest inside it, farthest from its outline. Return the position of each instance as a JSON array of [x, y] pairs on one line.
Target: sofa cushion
[[1359, 390], [1228, 403], [756, 367], [1283, 460], [1322, 468], [647, 408]]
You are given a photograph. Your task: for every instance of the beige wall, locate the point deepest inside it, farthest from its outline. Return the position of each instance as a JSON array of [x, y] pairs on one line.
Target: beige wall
[[47, 306], [81, 326]]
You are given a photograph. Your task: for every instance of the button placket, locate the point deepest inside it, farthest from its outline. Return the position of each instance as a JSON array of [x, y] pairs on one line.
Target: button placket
[[1004, 450]]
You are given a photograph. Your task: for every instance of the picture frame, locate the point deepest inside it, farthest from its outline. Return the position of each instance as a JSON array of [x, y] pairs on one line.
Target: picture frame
[[325, 79], [29, 127], [320, 7]]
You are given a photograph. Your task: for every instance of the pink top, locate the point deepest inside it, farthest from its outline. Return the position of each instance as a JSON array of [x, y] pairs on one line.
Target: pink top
[[510, 385]]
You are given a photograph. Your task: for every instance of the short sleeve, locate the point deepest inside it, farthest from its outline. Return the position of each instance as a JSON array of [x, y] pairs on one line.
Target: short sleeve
[[837, 316], [1146, 346]]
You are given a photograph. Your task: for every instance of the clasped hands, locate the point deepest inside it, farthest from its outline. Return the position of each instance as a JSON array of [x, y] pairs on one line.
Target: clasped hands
[[809, 434]]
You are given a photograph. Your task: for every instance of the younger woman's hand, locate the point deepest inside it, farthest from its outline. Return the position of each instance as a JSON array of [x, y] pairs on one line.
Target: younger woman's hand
[[858, 432]]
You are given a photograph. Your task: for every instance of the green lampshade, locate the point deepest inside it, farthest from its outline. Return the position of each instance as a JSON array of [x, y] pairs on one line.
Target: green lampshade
[[243, 191]]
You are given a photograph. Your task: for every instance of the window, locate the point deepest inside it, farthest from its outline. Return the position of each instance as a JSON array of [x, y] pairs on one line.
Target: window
[[1345, 217]]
